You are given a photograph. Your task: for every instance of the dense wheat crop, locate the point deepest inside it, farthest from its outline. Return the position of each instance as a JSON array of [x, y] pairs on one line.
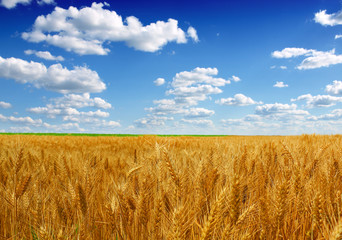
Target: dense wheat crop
[[54, 187]]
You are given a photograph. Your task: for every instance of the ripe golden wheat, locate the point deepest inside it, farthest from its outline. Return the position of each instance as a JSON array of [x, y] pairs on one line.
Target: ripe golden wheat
[[149, 187]]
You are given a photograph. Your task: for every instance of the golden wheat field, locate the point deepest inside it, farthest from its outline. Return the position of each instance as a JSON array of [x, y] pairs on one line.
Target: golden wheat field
[[150, 187]]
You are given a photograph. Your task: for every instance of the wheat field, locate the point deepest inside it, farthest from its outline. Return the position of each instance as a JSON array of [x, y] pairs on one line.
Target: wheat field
[[148, 187]]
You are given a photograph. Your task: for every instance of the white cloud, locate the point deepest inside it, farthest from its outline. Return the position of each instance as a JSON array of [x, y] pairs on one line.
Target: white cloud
[[193, 34], [252, 124], [328, 19], [55, 78], [249, 121], [5, 104], [85, 30], [290, 53], [280, 67], [320, 59], [198, 113], [92, 125], [21, 120], [165, 107], [45, 2], [66, 107], [44, 55], [335, 88], [272, 119], [65, 127], [319, 100], [335, 114], [314, 59], [338, 36], [68, 112], [20, 129], [280, 85], [152, 121], [93, 120], [279, 111], [238, 100], [111, 124], [80, 101], [199, 122], [159, 81], [197, 76], [188, 88], [13, 3], [192, 95], [235, 79]]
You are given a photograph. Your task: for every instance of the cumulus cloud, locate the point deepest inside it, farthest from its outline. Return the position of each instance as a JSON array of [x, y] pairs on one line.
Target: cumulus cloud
[[199, 122], [197, 76], [192, 95], [235, 79], [198, 113], [51, 112], [313, 58], [280, 85], [111, 124], [335, 88], [335, 114], [80, 101], [248, 121], [319, 100], [21, 120], [85, 30], [13, 3], [280, 67], [159, 81], [279, 111], [65, 127], [188, 89], [67, 109], [54, 78], [193, 34], [20, 129], [325, 19], [68, 112], [338, 36], [44, 55], [320, 59], [252, 124], [5, 104], [45, 2], [191, 87], [68, 105], [9, 4], [290, 52], [93, 122], [151, 121], [275, 118], [165, 107], [238, 100]]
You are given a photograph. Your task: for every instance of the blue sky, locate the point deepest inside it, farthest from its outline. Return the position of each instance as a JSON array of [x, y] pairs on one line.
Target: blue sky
[[169, 67]]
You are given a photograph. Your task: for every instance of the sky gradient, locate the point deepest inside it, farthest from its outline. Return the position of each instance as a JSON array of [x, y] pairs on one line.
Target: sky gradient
[[169, 67]]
